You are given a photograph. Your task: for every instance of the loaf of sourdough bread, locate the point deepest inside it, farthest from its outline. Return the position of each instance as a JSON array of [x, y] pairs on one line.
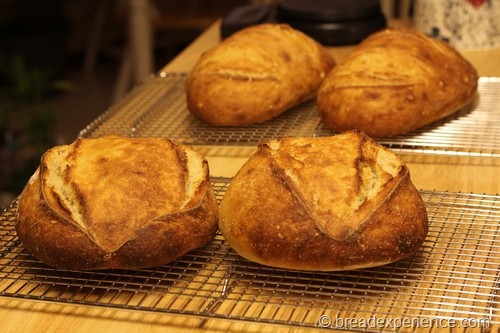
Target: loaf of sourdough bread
[[326, 204], [256, 74], [117, 202], [396, 81]]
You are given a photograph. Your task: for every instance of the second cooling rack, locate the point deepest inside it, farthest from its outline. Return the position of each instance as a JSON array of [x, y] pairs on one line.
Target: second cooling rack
[[158, 108], [453, 280]]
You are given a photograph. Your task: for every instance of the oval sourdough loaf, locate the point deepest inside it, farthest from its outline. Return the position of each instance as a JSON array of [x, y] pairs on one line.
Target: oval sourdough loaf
[[117, 202], [395, 81], [256, 74], [331, 203]]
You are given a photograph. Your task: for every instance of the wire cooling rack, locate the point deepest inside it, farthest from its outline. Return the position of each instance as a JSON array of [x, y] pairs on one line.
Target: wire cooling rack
[[454, 280], [158, 108]]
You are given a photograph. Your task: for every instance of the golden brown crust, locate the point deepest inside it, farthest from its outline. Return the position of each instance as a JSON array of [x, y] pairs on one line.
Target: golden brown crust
[[395, 81], [256, 74], [117, 203], [265, 219]]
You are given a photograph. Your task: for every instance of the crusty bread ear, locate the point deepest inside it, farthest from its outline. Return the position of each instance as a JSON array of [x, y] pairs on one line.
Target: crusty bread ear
[[255, 75], [396, 81], [331, 203], [117, 203]]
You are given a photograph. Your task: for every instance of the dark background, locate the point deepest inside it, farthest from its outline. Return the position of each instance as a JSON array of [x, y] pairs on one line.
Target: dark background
[[47, 94]]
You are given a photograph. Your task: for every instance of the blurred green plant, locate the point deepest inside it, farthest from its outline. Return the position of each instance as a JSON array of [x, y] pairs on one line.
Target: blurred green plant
[[26, 121]]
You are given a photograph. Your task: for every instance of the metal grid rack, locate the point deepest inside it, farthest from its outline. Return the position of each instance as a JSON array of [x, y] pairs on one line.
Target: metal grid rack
[[454, 278], [158, 108]]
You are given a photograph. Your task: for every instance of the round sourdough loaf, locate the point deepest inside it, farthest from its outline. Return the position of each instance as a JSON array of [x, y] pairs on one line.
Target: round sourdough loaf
[[115, 202], [325, 204], [396, 81], [256, 74]]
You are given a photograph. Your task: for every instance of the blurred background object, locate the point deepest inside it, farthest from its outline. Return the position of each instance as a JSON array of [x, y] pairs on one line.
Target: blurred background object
[[465, 24], [330, 22]]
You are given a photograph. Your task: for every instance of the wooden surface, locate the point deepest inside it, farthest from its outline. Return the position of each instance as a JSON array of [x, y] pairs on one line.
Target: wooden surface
[[464, 174]]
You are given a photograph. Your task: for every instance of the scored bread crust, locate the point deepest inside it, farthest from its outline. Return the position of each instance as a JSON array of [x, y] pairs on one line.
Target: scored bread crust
[[323, 204], [256, 74], [396, 81], [117, 203]]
